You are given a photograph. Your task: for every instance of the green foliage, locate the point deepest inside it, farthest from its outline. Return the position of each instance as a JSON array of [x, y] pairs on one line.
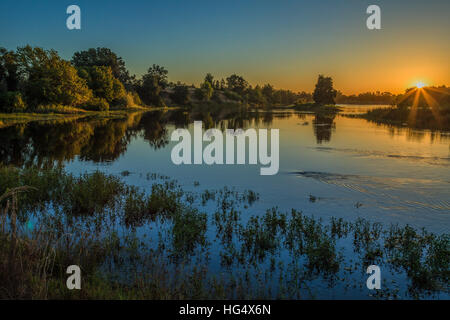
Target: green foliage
[[12, 102], [205, 92], [129, 100], [210, 79], [96, 104], [91, 220], [103, 57], [324, 92], [255, 96], [137, 100], [150, 86], [159, 73], [189, 228], [180, 94], [49, 79], [367, 98], [91, 193], [102, 82], [207, 89], [237, 84], [9, 71]]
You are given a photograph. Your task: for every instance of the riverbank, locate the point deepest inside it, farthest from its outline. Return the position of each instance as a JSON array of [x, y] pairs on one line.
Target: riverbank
[[9, 119], [420, 118]]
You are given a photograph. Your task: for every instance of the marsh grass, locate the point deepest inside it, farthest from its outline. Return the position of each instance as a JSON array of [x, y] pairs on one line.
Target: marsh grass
[[159, 243], [425, 117]]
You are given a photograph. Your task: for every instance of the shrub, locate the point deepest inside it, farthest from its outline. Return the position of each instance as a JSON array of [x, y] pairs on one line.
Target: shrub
[[12, 102], [130, 99], [180, 95], [96, 104], [123, 102], [137, 100]]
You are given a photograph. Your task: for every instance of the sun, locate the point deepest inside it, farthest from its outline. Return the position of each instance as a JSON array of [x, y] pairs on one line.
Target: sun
[[420, 84]]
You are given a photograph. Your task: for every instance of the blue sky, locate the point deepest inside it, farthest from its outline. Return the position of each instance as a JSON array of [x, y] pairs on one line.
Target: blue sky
[[287, 43]]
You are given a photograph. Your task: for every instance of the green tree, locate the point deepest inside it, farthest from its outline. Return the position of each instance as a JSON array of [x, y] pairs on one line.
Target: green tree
[[9, 70], [267, 91], [103, 57], [102, 82], [324, 92], [159, 73], [149, 90], [11, 101], [237, 84], [209, 78], [205, 92], [255, 96], [180, 94], [50, 79], [151, 85]]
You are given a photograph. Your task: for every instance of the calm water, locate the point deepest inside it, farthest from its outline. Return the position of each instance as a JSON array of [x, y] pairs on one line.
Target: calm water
[[352, 167], [330, 166]]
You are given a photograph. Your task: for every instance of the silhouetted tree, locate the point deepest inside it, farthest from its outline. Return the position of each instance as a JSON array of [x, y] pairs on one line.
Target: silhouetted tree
[[255, 96], [9, 70], [210, 79], [237, 84], [150, 86], [159, 73], [180, 94], [267, 91], [324, 92]]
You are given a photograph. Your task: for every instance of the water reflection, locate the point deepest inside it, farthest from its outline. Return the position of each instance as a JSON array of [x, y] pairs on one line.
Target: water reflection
[[323, 125], [98, 140], [104, 140]]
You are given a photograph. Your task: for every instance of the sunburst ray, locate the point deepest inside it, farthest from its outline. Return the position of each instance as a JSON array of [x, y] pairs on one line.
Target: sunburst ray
[[413, 113], [434, 106], [406, 95]]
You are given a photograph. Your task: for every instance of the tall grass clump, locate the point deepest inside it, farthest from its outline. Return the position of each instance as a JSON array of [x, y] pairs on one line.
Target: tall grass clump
[[159, 243]]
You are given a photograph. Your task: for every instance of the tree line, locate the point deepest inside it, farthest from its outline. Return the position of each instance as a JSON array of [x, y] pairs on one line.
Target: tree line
[[33, 79], [367, 98]]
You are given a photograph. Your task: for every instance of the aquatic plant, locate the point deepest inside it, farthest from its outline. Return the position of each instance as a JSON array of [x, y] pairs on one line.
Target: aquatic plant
[[157, 243]]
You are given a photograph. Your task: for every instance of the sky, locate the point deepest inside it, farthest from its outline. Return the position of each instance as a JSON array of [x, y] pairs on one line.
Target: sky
[[285, 43]]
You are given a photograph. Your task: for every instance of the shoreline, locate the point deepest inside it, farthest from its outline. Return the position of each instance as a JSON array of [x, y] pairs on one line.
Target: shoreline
[[10, 119]]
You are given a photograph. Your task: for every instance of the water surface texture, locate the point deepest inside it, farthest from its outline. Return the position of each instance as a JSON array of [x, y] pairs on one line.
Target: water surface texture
[[333, 166]]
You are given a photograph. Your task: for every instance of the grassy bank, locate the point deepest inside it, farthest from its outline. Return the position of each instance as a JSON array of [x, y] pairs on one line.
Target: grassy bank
[[8, 119], [421, 118], [168, 243]]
